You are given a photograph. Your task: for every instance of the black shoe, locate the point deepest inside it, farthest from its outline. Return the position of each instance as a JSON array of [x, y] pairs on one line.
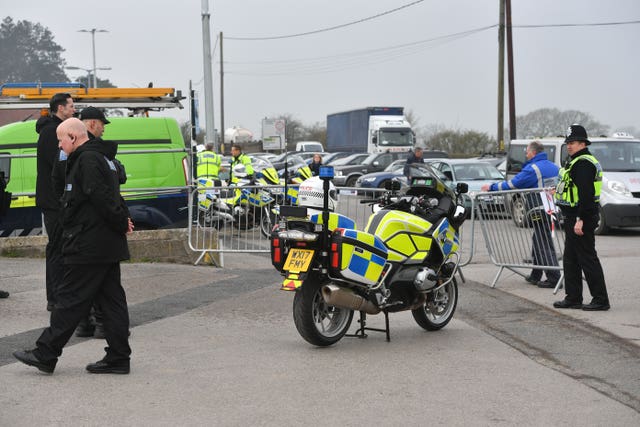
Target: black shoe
[[28, 358], [567, 304], [102, 367], [594, 306], [531, 280], [547, 284], [4, 294]]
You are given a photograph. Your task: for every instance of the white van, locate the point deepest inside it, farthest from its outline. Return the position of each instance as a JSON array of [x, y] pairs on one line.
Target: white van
[[309, 146], [619, 156]]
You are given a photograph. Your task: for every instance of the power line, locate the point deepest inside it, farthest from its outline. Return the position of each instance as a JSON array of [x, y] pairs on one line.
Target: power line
[[335, 27], [334, 63], [594, 24]]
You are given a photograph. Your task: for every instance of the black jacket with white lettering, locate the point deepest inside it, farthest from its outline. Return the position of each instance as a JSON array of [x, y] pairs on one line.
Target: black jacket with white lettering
[[94, 215]]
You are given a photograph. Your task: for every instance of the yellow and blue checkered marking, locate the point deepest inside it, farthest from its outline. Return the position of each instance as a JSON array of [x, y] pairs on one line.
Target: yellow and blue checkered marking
[[447, 238], [335, 221], [359, 263]]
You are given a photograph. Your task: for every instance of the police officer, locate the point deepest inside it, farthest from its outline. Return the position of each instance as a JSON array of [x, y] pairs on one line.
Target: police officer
[[578, 194], [239, 158], [208, 164], [537, 172], [95, 220]]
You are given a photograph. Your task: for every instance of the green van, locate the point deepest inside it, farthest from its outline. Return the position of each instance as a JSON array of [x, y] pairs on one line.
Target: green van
[[158, 178]]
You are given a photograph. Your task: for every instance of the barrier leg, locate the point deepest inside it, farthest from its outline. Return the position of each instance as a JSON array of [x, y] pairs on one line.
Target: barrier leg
[[495, 280]]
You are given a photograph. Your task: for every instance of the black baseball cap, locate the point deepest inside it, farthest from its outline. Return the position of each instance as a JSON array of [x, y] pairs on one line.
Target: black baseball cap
[[93, 113]]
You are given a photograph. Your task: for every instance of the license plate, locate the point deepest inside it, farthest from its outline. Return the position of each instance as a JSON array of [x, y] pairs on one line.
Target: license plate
[[298, 260]]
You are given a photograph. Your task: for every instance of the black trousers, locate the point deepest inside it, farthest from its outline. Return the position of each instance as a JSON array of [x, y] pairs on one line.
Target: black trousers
[[82, 284], [542, 249], [53, 253], [580, 257]]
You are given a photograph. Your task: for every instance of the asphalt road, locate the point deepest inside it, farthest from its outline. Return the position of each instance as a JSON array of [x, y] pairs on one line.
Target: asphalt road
[[218, 347]]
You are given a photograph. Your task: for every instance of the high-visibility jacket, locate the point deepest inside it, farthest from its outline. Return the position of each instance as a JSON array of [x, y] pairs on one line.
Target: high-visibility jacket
[[242, 159], [208, 164], [567, 191]]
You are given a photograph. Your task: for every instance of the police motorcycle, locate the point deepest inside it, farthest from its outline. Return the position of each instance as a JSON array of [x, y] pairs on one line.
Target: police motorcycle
[[245, 204], [405, 259]]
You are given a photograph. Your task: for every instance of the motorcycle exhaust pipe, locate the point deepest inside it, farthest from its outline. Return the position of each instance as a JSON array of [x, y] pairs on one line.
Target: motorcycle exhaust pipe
[[345, 298]]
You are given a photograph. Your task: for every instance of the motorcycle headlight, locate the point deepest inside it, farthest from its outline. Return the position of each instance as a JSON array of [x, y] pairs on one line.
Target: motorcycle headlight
[[619, 188]]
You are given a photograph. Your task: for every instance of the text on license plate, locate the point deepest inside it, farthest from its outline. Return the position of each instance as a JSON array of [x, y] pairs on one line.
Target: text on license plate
[[298, 260]]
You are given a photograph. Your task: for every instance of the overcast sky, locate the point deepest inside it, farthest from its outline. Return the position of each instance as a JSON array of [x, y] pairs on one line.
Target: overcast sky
[[399, 59]]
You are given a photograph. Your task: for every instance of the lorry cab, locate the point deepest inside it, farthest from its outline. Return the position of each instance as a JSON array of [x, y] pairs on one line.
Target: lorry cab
[[619, 156]]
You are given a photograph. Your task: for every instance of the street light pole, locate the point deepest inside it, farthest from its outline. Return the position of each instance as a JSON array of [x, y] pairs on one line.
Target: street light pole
[[93, 32], [88, 71]]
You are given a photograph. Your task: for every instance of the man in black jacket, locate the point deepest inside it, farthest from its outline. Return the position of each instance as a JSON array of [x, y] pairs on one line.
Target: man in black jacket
[[47, 197], [95, 221], [415, 157]]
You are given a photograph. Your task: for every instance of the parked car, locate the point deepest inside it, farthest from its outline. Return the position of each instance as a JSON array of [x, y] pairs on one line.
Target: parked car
[[332, 157], [294, 162], [347, 175], [379, 179], [475, 173]]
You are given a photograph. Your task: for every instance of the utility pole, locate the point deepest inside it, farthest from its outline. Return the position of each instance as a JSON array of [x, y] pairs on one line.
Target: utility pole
[[501, 78], [208, 76], [221, 96], [512, 95]]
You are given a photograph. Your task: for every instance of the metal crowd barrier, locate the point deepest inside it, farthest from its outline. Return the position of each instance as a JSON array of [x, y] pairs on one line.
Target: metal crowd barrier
[[514, 223], [219, 224]]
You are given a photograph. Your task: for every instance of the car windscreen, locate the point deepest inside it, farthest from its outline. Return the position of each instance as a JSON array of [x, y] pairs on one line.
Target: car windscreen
[[476, 172], [617, 156], [518, 156]]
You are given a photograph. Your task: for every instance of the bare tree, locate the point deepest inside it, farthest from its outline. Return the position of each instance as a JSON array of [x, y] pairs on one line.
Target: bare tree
[[547, 122]]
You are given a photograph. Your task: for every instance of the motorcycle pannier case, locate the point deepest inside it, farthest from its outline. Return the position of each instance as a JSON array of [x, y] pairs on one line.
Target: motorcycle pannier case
[[356, 256]]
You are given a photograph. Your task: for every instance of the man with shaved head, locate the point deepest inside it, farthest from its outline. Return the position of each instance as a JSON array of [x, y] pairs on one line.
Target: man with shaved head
[[95, 221]]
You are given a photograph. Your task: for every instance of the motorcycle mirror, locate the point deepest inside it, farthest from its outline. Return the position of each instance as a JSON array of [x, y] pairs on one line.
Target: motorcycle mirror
[[462, 187], [392, 185]]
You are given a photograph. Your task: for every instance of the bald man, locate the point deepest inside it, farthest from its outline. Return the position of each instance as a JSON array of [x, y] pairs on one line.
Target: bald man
[[95, 221]]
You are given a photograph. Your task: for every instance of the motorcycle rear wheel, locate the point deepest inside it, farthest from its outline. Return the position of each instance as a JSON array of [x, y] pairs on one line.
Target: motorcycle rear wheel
[[439, 308], [317, 322]]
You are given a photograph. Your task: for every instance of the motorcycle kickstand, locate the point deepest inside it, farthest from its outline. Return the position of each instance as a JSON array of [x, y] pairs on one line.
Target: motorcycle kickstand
[[360, 332]]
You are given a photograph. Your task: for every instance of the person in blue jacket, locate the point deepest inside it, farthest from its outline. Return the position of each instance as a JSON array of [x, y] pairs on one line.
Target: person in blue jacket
[[537, 172]]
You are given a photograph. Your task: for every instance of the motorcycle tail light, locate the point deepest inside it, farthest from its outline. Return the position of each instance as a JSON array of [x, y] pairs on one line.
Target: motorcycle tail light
[[335, 258]]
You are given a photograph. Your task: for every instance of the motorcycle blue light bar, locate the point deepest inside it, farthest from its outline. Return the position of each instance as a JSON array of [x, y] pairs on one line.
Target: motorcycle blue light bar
[[326, 172]]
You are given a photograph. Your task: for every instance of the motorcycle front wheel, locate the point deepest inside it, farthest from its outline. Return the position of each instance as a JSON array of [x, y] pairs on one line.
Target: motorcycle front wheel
[[266, 224], [317, 322], [439, 308]]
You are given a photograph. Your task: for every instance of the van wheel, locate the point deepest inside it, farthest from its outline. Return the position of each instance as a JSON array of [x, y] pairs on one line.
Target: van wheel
[[602, 227]]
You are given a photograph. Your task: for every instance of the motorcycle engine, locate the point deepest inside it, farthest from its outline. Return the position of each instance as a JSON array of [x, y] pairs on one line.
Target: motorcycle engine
[[425, 279]]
